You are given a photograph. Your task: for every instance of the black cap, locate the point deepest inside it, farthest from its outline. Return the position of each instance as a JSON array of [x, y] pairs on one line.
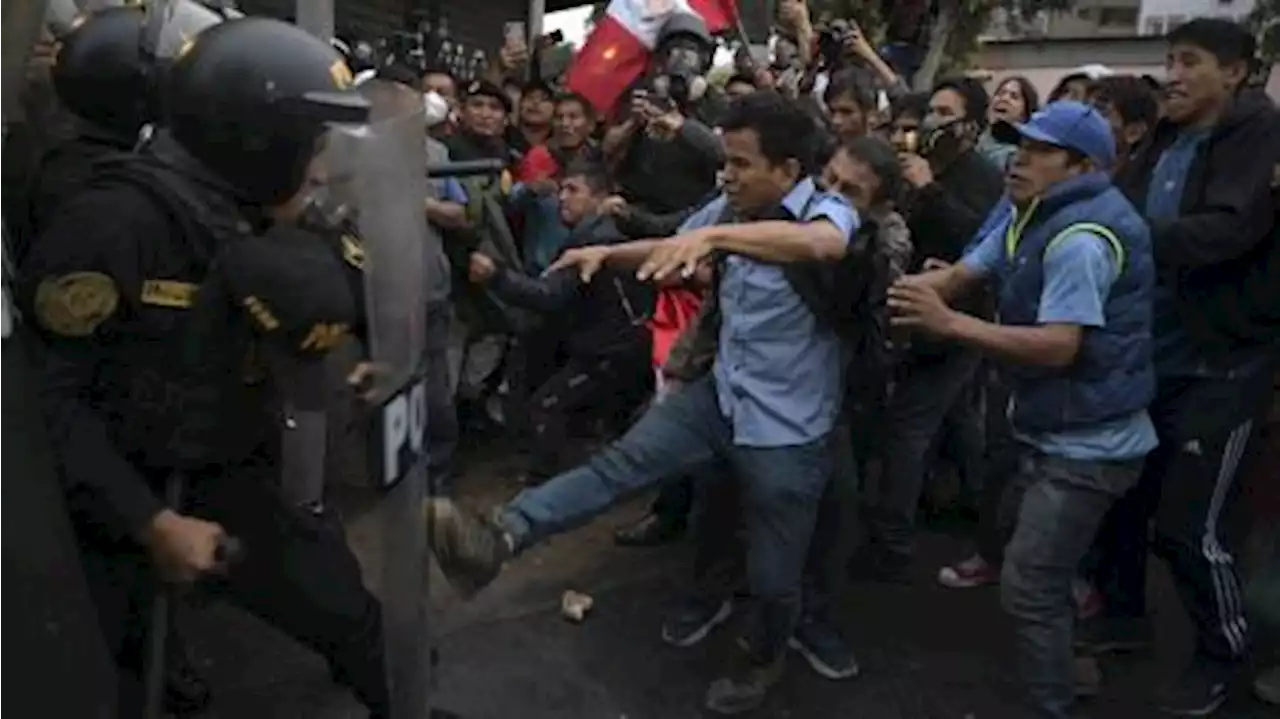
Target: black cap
[[484, 88], [294, 289], [538, 84]]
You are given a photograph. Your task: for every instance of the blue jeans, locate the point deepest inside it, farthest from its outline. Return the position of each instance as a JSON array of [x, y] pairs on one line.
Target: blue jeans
[[1059, 504], [718, 565], [781, 491]]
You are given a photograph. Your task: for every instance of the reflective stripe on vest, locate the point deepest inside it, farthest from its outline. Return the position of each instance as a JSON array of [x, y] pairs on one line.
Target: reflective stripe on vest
[[1018, 223]]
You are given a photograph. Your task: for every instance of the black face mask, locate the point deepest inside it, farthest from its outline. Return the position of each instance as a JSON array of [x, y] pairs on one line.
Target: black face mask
[[944, 141]]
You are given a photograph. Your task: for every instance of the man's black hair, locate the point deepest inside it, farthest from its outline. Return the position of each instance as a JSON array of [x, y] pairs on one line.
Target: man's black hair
[[740, 79], [439, 70], [883, 161], [913, 104], [401, 73], [854, 83], [1130, 95], [587, 107], [784, 129], [974, 94], [1229, 42], [592, 172]]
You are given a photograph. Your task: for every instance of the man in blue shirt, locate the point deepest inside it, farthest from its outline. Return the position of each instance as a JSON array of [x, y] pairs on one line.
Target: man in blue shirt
[[1071, 259], [766, 408], [1204, 180]]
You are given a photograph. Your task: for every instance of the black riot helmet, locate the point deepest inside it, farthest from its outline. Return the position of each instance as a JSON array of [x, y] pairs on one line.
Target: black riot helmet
[[100, 74], [251, 99]]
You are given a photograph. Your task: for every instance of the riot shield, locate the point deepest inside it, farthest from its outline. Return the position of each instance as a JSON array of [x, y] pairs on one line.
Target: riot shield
[[173, 24], [21, 24], [376, 180]]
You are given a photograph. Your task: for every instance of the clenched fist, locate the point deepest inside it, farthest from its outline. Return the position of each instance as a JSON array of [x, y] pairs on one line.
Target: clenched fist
[[482, 268]]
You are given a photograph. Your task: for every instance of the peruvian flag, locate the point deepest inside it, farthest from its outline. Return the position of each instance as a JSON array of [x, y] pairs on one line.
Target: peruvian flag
[[618, 48]]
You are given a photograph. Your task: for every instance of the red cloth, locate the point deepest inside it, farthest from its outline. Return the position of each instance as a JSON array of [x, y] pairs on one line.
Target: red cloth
[[674, 311], [537, 164], [617, 51]]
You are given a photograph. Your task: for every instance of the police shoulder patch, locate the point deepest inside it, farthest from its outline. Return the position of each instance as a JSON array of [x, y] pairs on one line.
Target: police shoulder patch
[[77, 303], [324, 336]]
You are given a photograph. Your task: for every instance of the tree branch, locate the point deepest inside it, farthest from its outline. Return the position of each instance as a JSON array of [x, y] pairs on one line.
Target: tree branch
[[944, 25]]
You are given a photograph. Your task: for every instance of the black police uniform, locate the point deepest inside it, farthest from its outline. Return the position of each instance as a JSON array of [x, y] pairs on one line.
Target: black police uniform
[[128, 405], [151, 318]]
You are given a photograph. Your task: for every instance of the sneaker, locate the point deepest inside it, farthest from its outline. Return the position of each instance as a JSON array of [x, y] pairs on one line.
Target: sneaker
[[1198, 692], [693, 621], [470, 550], [825, 650], [1113, 635], [972, 572], [1267, 685], [746, 686]]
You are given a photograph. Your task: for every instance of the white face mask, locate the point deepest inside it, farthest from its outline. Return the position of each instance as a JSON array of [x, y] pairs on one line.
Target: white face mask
[[435, 107]]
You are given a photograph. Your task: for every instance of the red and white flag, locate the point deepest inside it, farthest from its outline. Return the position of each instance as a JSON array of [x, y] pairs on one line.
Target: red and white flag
[[617, 50]]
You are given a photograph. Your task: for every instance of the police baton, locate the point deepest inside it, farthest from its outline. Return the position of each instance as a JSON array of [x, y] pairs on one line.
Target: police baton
[[229, 551], [466, 168]]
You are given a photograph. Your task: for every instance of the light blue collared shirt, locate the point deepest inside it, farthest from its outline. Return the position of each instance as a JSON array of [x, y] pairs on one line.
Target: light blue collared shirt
[[777, 372]]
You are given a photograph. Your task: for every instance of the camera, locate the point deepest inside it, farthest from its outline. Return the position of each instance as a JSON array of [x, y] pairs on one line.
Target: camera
[[831, 41]]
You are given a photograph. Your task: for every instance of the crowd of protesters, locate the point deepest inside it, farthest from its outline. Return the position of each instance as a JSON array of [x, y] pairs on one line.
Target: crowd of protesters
[[1105, 256]]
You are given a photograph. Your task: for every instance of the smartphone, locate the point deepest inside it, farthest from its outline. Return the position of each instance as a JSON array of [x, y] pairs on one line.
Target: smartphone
[[514, 32], [639, 95]]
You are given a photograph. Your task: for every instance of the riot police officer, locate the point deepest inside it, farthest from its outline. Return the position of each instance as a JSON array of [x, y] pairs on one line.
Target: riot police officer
[[104, 80], [152, 289], [100, 79]]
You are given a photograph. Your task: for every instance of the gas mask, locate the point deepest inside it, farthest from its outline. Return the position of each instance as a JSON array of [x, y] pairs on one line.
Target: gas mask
[[680, 75]]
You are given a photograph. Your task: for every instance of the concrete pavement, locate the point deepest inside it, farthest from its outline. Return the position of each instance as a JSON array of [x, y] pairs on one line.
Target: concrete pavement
[[926, 652]]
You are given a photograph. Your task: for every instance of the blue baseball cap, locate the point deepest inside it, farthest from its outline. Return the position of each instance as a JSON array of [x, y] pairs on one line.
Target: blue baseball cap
[[1067, 124]]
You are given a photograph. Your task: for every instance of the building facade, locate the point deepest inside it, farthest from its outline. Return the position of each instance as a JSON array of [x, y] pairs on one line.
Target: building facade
[[1112, 18], [471, 27], [1044, 63], [1160, 16], [1086, 18]]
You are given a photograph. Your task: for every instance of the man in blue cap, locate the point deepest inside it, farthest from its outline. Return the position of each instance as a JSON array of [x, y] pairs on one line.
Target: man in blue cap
[[1071, 259]]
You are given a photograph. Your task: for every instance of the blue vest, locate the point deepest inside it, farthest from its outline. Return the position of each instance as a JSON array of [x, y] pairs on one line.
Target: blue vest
[[1112, 375]]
